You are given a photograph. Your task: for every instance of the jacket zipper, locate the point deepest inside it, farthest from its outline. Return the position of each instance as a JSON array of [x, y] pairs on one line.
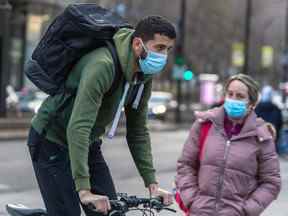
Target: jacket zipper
[[221, 176]]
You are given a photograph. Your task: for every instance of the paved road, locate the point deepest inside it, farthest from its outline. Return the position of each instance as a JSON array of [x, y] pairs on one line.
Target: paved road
[[17, 181]]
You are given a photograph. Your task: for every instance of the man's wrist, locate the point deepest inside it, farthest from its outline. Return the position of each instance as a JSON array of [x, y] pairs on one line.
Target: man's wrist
[[82, 193], [82, 183], [150, 179]]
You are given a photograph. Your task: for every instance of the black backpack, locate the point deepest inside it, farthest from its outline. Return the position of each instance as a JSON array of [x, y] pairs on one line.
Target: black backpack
[[80, 29]]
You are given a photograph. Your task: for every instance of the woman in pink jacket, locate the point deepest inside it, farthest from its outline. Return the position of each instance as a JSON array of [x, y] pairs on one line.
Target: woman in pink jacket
[[237, 173]]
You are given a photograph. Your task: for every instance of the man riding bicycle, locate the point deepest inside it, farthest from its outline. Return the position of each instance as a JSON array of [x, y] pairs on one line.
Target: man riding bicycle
[[66, 151]]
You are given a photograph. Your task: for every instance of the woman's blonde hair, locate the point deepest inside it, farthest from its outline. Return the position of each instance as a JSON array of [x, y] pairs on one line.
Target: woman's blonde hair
[[252, 85], [272, 130]]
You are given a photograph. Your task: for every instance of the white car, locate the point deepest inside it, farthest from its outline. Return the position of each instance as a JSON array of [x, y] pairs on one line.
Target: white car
[[35, 104], [160, 105]]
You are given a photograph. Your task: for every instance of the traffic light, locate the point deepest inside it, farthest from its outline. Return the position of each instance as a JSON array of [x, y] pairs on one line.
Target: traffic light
[[179, 60], [188, 75]]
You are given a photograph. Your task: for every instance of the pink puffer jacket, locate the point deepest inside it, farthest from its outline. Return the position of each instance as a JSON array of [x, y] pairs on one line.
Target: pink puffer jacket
[[236, 177]]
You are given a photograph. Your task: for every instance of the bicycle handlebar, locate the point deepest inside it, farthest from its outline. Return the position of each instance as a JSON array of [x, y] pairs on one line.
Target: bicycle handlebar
[[128, 203]]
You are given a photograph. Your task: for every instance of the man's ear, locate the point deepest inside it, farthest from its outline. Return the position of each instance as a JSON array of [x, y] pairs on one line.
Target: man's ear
[[137, 46]]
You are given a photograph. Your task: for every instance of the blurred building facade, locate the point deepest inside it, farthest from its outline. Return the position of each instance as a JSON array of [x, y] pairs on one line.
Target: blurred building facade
[[212, 29], [215, 33], [29, 20]]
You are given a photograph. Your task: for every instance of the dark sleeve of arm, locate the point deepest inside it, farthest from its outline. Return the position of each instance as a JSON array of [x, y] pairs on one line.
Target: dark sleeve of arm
[[187, 167], [138, 137], [95, 81]]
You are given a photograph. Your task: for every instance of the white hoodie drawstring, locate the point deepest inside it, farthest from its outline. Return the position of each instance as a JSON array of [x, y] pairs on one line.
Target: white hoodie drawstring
[[118, 113], [138, 97]]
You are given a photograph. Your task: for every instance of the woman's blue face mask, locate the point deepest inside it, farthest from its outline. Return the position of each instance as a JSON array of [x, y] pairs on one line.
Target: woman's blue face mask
[[153, 63], [235, 108]]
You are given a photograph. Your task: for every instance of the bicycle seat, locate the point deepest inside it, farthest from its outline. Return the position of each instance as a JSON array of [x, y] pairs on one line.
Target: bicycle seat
[[21, 210]]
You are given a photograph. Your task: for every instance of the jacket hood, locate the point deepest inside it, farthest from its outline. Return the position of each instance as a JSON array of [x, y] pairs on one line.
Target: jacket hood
[[122, 40], [266, 107], [253, 126]]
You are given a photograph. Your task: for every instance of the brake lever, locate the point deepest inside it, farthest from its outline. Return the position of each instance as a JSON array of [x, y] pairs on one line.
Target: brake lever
[[118, 207], [158, 205], [161, 208], [170, 209]]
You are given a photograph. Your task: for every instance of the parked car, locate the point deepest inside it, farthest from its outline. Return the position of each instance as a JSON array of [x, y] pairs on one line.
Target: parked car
[[31, 101], [35, 104], [161, 105]]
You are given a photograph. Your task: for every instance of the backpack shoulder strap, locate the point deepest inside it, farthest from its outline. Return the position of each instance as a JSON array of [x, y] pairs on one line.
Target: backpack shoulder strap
[[117, 68], [205, 127]]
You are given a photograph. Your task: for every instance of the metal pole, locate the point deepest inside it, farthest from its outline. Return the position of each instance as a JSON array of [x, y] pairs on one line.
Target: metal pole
[[246, 68], [284, 94], [286, 26], [179, 101], [180, 51], [5, 10], [284, 61], [21, 82]]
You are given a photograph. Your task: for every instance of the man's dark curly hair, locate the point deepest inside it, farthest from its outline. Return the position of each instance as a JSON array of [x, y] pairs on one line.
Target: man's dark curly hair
[[151, 25]]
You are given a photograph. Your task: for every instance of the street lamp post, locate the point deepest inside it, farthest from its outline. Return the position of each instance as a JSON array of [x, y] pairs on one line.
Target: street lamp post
[[284, 64], [5, 9], [180, 54], [246, 68]]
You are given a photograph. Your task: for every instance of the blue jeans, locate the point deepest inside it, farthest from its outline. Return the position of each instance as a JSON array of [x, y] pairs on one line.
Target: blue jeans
[[52, 169]]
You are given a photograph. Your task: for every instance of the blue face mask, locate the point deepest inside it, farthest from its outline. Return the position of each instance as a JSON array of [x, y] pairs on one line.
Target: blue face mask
[[153, 63], [235, 108]]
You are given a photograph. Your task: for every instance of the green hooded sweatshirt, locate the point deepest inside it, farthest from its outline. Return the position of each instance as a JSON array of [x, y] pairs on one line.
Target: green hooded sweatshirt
[[85, 117]]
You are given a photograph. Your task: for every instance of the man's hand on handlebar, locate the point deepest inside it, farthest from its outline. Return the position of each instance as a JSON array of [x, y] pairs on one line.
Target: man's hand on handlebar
[[156, 191], [100, 203]]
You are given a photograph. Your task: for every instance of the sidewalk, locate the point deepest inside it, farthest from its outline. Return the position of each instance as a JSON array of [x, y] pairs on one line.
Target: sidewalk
[[13, 128]]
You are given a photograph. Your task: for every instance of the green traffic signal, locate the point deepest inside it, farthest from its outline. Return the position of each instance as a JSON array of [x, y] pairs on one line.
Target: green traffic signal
[[188, 75], [179, 60]]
